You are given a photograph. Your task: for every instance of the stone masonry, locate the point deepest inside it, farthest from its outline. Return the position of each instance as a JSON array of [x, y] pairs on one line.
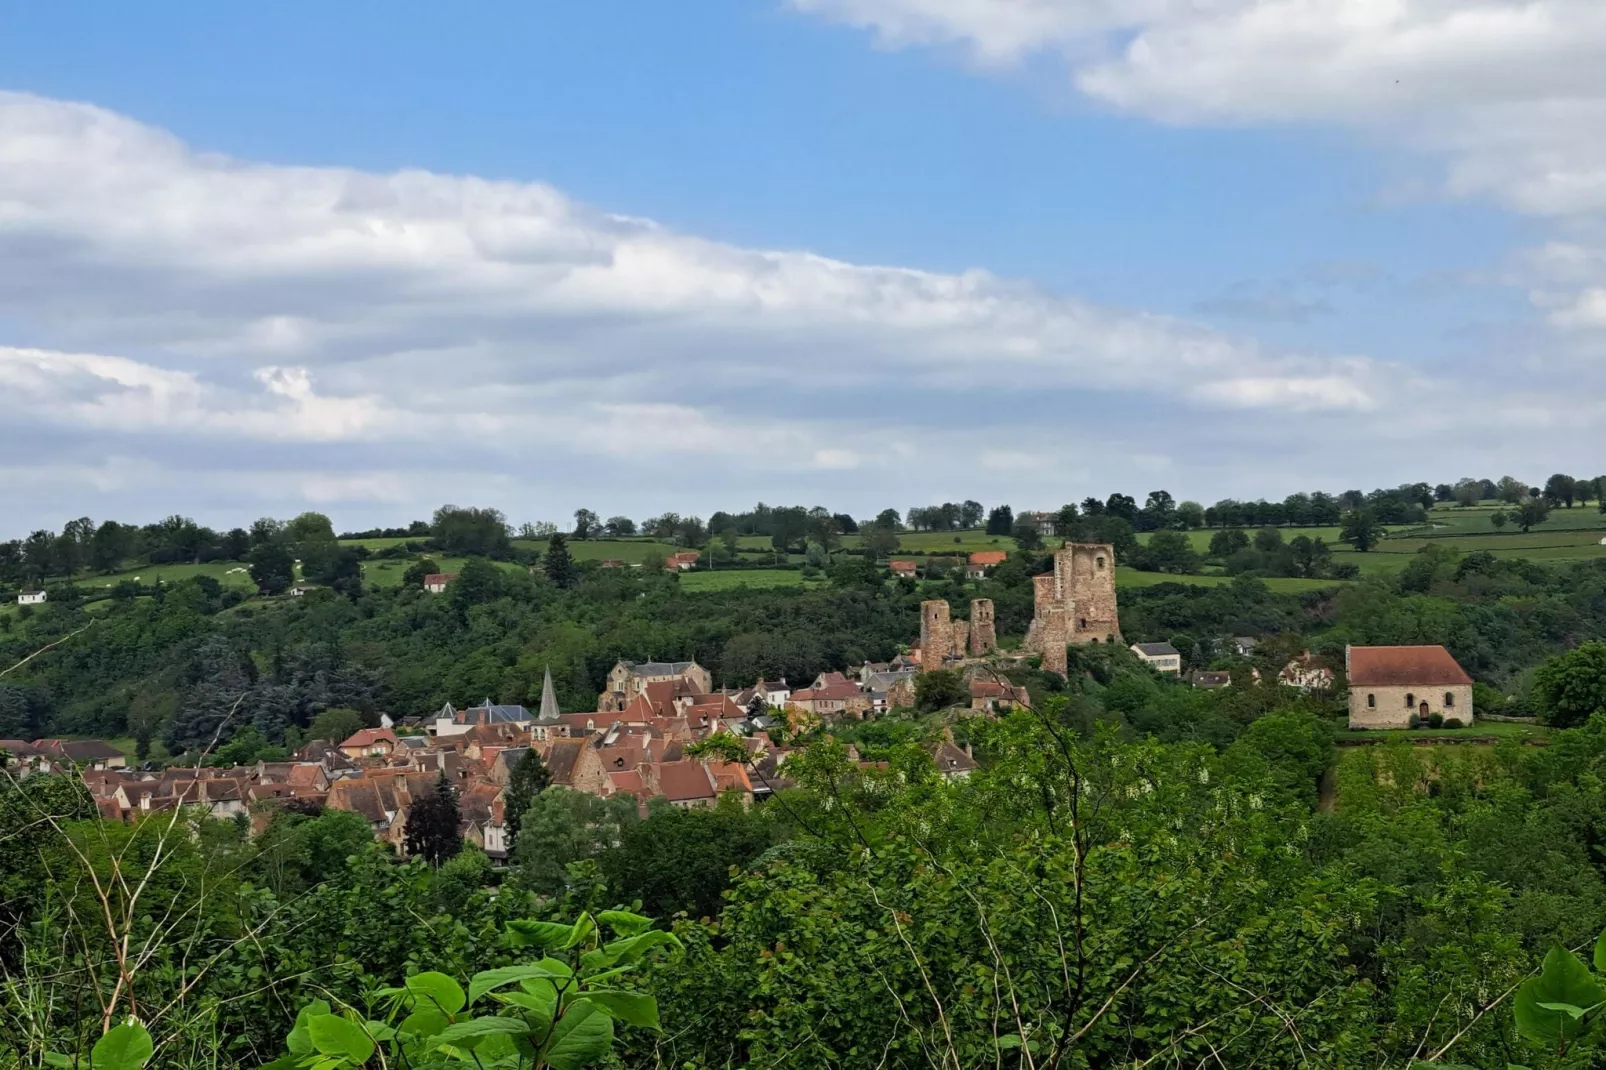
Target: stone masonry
[[942, 638], [983, 632], [936, 634], [1075, 603]]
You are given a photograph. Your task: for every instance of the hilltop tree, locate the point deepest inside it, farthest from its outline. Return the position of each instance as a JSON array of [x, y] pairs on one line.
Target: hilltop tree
[[559, 565], [1532, 511], [528, 779], [970, 514], [272, 568], [1512, 491], [432, 824], [1026, 535], [585, 524], [470, 532], [1228, 541], [1361, 529], [1560, 489], [1001, 521], [879, 539]]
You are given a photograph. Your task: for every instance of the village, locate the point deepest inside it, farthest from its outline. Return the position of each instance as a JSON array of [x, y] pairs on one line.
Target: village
[[634, 744]]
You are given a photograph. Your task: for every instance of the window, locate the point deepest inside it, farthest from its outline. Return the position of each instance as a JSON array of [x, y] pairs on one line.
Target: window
[[1099, 561], [1410, 700], [1449, 700], [1371, 702]]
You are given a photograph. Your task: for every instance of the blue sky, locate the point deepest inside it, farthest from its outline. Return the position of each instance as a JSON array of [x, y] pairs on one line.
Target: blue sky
[[1181, 277]]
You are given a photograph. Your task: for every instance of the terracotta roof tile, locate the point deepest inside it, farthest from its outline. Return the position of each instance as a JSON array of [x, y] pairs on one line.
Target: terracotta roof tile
[[1399, 666]]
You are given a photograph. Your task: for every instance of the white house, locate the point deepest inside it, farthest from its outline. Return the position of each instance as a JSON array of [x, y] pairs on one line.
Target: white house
[[1162, 657], [435, 582], [31, 598]]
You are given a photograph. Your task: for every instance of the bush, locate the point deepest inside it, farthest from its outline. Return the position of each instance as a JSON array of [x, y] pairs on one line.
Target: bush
[[1452, 722], [1435, 720], [1413, 721]]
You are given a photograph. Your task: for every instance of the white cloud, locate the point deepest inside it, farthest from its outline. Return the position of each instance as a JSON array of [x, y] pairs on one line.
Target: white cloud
[[329, 335]]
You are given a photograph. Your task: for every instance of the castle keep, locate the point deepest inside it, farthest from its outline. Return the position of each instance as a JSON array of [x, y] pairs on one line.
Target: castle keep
[[1075, 603]]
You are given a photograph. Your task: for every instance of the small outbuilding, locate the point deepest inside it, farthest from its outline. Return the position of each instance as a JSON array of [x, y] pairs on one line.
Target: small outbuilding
[[1391, 685]]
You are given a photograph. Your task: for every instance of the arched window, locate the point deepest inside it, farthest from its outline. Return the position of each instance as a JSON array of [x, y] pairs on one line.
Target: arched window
[[1371, 702], [1410, 700], [1449, 699], [1099, 561]]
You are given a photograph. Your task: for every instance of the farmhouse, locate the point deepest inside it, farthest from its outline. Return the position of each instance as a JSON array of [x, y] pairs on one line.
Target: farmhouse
[[982, 560], [903, 568], [435, 582], [31, 598], [1392, 686]]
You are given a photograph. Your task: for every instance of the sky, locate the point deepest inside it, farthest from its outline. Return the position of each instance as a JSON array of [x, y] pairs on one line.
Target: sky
[[372, 258]]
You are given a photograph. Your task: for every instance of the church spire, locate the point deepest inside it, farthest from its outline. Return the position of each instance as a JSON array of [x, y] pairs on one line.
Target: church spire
[[549, 698]]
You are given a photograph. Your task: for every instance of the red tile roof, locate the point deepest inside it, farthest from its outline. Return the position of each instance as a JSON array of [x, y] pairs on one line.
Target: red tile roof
[[1400, 666], [684, 781], [367, 737], [988, 557]]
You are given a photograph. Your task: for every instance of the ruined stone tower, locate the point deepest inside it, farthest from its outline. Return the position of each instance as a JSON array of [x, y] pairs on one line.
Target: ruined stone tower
[[983, 632], [936, 634], [1075, 603]]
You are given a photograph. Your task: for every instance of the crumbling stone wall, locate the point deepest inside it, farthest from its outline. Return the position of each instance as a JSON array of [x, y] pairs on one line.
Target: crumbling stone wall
[[1075, 603], [983, 630], [1054, 638], [936, 634], [961, 638], [1088, 575]]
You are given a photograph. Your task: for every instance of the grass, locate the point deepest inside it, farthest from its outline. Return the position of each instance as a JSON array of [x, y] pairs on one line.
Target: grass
[[1126, 577], [758, 577], [228, 573], [1497, 729]]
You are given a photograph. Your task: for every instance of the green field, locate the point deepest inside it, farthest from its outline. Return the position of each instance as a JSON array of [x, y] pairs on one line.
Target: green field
[[1126, 577], [627, 550], [228, 573], [757, 577], [1497, 729]]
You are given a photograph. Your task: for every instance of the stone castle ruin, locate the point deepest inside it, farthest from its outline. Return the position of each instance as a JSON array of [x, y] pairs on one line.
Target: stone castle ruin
[[942, 638], [1075, 603]]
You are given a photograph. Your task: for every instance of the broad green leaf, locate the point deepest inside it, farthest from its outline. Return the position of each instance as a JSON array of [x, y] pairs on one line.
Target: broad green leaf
[[624, 923], [1564, 980], [299, 1041], [1600, 952], [283, 1062], [632, 948], [124, 1047], [490, 980], [580, 1038], [1570, 1010], [584, 926], [426, 1021], [437, 990], [66, 1062], [335, 1036], [538, 1009], [470, 1033], [631, 1008], [541, 934]]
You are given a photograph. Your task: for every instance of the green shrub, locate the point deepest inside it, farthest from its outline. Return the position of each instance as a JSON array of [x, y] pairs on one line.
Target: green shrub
[[1435, 720], [1452, 722], [1413, 721]]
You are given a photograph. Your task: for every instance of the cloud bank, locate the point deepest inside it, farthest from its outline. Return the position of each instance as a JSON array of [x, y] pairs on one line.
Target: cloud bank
[[182, 331]]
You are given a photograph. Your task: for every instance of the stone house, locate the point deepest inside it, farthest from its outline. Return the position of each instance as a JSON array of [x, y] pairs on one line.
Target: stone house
[[1307, 673], [435, 582], [1390, 684], [982, 560], [90, 754]]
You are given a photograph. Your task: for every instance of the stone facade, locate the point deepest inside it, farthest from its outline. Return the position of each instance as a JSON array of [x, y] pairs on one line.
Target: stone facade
[[1075, 603], [936, 634], [983, 631], [1392, 707], [942, 638]]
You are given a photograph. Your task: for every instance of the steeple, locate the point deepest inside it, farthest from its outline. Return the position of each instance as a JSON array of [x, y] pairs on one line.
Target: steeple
[[549, 698]]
